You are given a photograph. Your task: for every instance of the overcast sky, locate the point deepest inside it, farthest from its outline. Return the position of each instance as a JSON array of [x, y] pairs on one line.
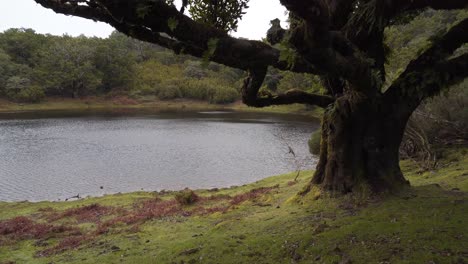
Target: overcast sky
[[28, 14]]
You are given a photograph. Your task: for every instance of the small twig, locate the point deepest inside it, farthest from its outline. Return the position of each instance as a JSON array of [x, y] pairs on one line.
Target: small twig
[[291, 151], [74, 197], [298, 173]]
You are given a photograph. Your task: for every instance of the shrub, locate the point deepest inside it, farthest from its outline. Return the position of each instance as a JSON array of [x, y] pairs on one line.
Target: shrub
[[197, 89], [194, 70], [32, 94], [15, 84], [186, 197], [20, 89], [224, 95], [442, 120], [143, 90], [445, 118], [301, 81], [169, 91], [314, 142]]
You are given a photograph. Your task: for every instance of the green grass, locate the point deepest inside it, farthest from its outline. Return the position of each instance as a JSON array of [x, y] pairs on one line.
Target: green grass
[[281, 109], [425, 224], [451, 173]]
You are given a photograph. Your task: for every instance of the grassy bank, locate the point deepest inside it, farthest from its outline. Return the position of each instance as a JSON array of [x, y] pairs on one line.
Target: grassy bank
[[118, 103], [96, 103], [263, 222]]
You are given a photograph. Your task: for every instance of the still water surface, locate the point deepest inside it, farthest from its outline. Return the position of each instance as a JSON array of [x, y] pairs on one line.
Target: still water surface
[[53, 156]]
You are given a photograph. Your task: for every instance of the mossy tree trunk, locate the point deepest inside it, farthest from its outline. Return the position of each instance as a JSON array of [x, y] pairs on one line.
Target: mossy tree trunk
[[359, 146]]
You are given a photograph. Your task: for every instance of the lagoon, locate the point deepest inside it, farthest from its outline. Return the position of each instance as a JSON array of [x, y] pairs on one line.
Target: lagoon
[[57, 155]]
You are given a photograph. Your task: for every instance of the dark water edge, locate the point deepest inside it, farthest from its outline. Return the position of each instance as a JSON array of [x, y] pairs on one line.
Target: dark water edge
[[53, 155]]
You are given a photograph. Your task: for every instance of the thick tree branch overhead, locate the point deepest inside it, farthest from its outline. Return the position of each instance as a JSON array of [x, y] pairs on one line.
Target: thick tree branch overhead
[[186, 35], [321, 38], [254, 81], [125, 16], [432, 71]]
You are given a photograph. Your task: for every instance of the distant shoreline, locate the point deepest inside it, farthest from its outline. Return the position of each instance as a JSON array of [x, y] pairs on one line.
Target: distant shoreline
[[123, 103]]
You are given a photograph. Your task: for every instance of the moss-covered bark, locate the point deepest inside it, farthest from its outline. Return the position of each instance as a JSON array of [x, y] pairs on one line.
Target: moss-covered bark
[[359, 146]]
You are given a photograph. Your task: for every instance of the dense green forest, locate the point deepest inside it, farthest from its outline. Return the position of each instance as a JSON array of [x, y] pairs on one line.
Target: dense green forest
[[33, 66]]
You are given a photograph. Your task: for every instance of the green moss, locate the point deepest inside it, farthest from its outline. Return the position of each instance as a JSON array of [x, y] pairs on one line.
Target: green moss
[[424, 224], [451, 172], [314, 142]]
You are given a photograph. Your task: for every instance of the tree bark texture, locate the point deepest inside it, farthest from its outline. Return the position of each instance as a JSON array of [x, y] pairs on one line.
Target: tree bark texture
[[359, 146]]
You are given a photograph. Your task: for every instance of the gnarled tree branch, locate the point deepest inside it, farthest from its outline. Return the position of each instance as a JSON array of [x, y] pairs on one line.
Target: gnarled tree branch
[[426, 75], [366, 24], [295, 97], [188, 36], [253, 83], [192, 38], [323, 48], [329, 50]]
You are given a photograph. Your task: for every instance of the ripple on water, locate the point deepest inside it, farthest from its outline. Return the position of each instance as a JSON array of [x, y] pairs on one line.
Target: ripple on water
[[56, 158]]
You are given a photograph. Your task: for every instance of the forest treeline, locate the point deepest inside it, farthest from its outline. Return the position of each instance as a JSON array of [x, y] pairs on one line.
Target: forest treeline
[[33, 66]]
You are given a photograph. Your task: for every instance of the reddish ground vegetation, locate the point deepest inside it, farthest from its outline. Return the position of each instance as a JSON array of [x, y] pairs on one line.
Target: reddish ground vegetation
[[46, 210], [235, 200], [90, 213], [146, 210], [101, 229], [218, 197], [124, 100], [22, 228], [240, 198], [65, 244], [156, 208], [291, 183]]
